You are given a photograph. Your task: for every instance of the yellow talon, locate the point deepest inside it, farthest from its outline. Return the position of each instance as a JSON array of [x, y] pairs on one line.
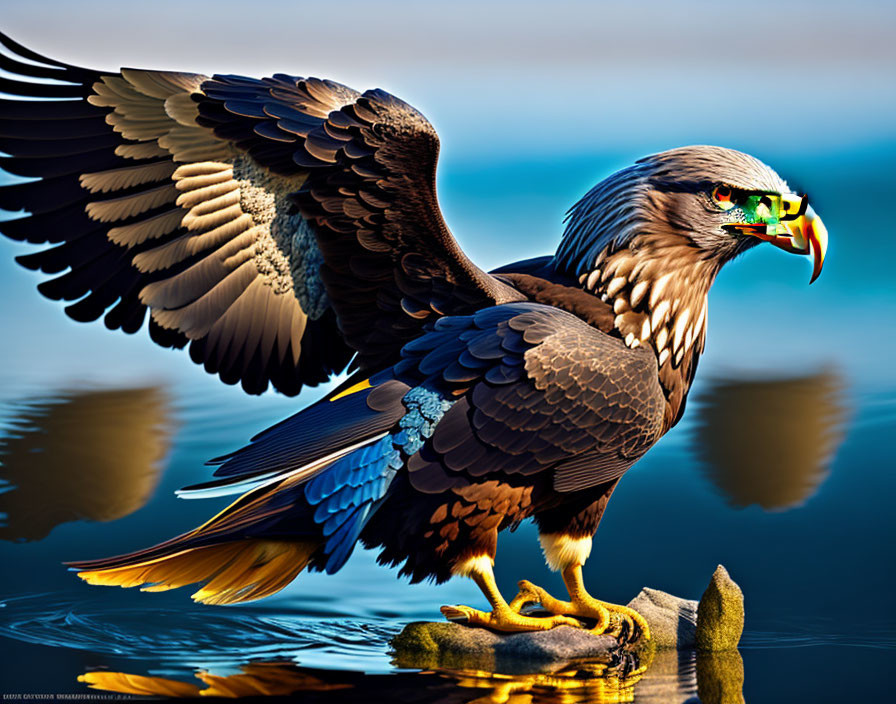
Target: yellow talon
[[503, 619], [530, 593], [611, 619]]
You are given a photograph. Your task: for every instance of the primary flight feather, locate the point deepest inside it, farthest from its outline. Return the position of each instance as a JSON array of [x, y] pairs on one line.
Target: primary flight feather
[[286, 228]]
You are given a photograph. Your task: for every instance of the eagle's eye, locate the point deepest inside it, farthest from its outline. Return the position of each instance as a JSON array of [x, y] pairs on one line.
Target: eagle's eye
[[723, 197]]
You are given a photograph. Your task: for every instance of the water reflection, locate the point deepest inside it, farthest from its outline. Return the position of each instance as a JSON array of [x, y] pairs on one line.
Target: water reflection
[[92, 455], [670, 678], [235, 651], [443, 686], [770, 442]]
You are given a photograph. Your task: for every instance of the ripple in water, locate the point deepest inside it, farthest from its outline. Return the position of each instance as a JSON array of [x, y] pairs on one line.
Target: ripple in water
[[219, 637]]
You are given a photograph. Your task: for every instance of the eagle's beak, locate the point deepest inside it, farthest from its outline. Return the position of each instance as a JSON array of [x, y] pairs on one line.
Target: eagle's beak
[[809, 236], [799, 230]]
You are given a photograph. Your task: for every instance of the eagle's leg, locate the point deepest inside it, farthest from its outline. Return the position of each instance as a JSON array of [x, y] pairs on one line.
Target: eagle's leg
[[501, 617], [568, 554]]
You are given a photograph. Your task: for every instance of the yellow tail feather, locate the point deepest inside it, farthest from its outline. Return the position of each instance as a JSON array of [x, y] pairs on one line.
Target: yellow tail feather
[[242, 570]]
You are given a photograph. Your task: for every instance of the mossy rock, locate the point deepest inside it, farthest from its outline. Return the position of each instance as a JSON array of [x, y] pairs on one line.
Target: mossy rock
[[720, 614]]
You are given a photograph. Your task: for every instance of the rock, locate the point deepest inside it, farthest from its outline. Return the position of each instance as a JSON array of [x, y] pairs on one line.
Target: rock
[[672, 620], [714, 625], [720, 614], [452, 645]]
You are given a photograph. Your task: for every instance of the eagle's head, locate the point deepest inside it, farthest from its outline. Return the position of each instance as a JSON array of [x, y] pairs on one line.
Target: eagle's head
[[650, 239], [717, 202]]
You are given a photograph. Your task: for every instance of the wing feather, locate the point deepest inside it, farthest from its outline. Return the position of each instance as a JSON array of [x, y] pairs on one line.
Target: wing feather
[[126, 177], [279, 226], [124, 207], [145, 209]]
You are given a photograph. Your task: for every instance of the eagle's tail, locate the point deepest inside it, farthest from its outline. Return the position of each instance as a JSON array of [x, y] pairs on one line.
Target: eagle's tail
[[240, 555], [311, 493], [241, 570]]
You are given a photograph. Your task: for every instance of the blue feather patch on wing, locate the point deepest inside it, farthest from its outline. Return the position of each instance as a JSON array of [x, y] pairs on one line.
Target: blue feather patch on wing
[[348, 492], [425, 409]]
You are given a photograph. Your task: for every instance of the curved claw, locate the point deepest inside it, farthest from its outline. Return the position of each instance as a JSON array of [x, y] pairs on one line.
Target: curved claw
[[634, 625], [623, 628]]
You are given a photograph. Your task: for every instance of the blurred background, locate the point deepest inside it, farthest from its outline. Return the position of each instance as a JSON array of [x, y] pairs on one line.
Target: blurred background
[[534, 103]]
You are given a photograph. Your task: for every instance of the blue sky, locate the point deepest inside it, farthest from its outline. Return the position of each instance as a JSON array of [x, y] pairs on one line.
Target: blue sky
[[503, 76]]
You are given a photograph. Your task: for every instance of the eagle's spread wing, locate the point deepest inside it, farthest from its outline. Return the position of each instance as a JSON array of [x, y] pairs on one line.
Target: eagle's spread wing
[[538, 389], [277, 225]]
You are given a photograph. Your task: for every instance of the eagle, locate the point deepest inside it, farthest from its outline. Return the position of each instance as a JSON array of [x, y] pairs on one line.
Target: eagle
[[286, 229]]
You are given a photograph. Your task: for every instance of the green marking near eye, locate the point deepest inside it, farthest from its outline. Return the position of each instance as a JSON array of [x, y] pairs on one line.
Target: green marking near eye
[[757, 207], [763, 208]]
